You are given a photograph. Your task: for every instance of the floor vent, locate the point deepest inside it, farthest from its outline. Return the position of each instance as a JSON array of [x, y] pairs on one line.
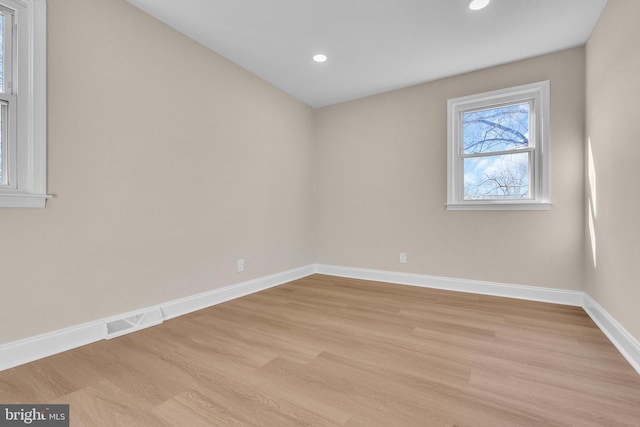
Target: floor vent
[[126, 325]]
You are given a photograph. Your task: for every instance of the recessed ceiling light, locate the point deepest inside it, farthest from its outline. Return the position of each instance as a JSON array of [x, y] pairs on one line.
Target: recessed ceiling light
[[478, 4], [320, 57]]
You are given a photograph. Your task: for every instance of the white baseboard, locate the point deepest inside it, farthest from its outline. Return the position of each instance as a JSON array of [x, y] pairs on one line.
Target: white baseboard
[[193, 303], [27, 350], [626, 344], [532, 293], [33, 348]]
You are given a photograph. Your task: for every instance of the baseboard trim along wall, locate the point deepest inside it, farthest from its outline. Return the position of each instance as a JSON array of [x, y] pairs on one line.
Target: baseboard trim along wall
[[37, 347], [626, 344], [531, 293], [33, 348]]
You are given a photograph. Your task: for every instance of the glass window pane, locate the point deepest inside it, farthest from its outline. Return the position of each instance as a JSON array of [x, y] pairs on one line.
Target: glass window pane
[[1, 52], [497, 129], [497, 177]]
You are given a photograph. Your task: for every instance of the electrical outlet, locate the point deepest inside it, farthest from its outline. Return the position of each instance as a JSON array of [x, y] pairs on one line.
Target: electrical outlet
[[240, 265], [403, 257]]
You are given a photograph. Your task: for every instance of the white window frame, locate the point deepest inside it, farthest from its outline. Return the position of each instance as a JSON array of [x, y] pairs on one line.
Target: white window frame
[[27, 159], [537, 94]]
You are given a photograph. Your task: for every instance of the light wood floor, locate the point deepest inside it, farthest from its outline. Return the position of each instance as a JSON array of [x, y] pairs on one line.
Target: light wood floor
[[329, 351]]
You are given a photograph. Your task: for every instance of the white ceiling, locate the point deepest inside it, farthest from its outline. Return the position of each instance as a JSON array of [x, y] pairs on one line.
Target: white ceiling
[[374, 45]]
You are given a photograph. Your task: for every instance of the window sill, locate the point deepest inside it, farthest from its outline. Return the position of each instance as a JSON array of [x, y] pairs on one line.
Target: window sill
[[21, 200], [499, 206]]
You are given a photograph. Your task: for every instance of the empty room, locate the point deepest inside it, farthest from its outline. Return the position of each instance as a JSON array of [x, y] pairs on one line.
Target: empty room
[[327, 213]]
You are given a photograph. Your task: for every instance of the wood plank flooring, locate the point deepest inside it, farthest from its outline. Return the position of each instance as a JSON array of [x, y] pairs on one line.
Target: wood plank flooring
[[327, 351]]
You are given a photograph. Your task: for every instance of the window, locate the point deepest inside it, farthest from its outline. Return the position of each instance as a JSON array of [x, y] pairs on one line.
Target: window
[[498, 150], [23, 103]]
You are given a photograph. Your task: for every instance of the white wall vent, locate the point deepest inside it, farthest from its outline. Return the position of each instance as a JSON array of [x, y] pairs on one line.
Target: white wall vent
[[132, 323]]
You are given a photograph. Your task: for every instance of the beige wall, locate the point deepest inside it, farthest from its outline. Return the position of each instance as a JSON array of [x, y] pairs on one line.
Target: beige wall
[[167, 162], [613, 111], [382, 184]]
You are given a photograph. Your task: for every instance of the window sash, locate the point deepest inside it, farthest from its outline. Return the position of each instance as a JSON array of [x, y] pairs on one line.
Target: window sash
[[8, 49], [8, 147], [530, 178], [530, 150], [531, 139], [8, 143]]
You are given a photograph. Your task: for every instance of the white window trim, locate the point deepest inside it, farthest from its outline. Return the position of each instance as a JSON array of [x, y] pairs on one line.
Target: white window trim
[[31, 163], [540, 200]]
